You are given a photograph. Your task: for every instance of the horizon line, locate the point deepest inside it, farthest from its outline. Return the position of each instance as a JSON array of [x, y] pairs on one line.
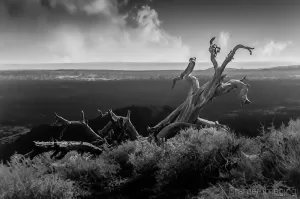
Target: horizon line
[[34, 66], [133, 62], [132, 70]]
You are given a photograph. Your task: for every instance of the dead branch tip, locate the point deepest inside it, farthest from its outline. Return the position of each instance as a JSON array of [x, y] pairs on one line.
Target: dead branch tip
[[128, 114], [82, 116], [100, 112]]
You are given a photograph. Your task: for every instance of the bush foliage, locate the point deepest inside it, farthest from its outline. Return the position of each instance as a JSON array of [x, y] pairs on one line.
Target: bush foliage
[[206, 163]]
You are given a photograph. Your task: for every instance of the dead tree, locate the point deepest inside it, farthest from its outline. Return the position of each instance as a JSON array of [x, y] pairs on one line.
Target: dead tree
[[198, 97], [119, 129], [88, 131], [62, 148], [121, 126]]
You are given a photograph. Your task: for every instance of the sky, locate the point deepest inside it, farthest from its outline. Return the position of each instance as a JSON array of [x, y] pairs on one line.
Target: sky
[[72, 31]]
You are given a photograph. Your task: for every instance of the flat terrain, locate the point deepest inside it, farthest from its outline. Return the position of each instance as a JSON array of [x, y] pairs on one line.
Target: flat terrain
[[287, 72], [24, 102]]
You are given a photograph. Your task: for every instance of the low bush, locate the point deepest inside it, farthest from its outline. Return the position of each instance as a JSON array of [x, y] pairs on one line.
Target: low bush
[[206, 163]]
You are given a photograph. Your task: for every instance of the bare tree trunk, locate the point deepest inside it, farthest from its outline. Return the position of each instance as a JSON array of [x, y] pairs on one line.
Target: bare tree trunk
[[198, 97]]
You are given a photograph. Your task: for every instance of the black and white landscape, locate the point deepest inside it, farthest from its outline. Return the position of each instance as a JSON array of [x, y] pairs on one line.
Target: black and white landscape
[[39, 93], [149, 99]]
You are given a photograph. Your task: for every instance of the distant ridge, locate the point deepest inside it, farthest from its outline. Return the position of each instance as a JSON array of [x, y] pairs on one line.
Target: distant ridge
[[140, 66], [290, 67]]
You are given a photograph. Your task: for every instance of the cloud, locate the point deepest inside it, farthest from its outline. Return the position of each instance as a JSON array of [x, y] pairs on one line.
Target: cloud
[[84, 31], [270, 50], [224, 39], [274, 48], [146, 42], [90, 7]]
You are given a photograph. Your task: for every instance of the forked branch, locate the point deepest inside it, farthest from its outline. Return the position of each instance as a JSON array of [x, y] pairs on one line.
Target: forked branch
[[231, 54]]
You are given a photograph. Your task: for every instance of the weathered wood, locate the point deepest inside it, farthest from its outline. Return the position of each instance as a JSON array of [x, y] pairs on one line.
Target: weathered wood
[[231, 86], [117, 129], [63, 148], [121, 126], [60, 120], [87, 129], [198, 97], [201, 121]]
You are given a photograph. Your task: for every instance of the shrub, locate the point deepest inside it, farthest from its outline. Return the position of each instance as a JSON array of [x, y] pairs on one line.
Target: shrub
[[205, 163], [192, 159], [145, 157], [20, 180]]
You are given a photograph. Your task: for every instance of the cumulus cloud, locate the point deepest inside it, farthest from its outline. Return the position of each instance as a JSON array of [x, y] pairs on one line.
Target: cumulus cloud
[[274, 48], [84, 31], [270, 50]]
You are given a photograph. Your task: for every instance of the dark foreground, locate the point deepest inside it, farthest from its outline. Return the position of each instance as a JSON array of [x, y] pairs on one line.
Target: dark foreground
[[195, 164]]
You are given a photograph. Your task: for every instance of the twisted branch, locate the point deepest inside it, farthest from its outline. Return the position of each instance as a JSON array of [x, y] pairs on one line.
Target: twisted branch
[[214, 50], [231, 86], [231, 54]]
